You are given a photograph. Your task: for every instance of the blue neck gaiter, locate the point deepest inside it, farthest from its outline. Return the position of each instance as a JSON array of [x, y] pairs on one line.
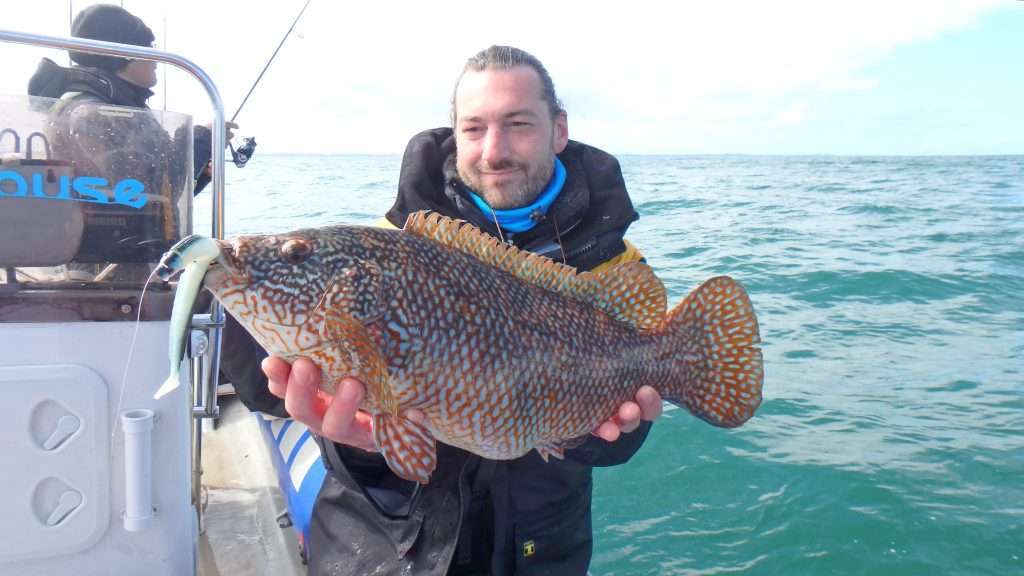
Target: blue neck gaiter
[[518, 220]]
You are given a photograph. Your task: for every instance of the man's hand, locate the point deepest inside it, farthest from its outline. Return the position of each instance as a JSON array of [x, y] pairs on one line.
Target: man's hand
[[229, 130], [336, 418], [229, 133], [646, 407]]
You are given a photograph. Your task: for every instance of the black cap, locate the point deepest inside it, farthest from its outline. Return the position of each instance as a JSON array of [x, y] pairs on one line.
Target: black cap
[[112, 24]]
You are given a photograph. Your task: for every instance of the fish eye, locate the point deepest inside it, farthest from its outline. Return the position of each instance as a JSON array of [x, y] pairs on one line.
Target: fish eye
[[296, 250]]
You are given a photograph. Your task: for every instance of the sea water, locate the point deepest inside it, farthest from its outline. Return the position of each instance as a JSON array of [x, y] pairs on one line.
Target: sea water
[[889, 294]]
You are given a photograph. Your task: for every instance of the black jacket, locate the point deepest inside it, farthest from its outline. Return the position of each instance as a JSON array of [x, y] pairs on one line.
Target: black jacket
[[590, 215], [521, 516]]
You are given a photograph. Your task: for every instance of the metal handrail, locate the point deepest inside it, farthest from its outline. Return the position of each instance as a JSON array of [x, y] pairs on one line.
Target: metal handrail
[[214, 322], [143, 53]]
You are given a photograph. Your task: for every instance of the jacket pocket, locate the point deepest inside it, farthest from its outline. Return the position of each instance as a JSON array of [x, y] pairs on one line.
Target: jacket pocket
[[557, 542]]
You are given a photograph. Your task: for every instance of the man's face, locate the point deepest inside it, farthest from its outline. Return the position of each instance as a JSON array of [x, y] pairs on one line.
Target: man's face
[[140, 72], [505, 138]]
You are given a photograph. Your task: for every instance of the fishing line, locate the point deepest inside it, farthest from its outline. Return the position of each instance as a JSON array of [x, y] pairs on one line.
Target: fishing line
[[497, 224], [241, 156], [505, 245], [128, 360], [323, 298], [272, 56], [558, 235]]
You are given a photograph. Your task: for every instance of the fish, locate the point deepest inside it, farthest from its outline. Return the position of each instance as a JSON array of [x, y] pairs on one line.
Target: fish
[[501, 350]]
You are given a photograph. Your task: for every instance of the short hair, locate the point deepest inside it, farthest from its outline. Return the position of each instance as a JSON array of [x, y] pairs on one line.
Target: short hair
[[507, 58]]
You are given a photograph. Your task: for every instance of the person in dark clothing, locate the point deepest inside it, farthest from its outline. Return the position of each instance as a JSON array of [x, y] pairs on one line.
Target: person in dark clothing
[[119, 144], [508, 167], [97, 79]]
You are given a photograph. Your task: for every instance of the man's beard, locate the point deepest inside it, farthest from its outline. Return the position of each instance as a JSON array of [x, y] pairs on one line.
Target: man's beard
[[515, 196]]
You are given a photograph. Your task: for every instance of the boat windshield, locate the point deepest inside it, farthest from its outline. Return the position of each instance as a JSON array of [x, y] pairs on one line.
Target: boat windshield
[[91, 195]]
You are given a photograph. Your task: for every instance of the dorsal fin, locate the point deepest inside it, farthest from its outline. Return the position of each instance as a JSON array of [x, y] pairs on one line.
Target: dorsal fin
[[630, 292]]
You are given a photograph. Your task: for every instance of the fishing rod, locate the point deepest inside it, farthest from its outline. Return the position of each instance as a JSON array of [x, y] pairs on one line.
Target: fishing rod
[[248, 147]]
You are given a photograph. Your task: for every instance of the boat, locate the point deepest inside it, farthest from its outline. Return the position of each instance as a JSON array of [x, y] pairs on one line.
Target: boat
[[100, 477]]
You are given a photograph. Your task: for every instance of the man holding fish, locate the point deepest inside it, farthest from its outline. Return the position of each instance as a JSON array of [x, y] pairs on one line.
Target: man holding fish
[[507, 489]]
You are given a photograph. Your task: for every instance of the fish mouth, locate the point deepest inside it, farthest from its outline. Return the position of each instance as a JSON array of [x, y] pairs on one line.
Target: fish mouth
[[217, 254]]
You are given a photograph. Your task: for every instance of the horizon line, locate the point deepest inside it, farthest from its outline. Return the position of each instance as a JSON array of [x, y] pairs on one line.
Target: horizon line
[[711, 154]]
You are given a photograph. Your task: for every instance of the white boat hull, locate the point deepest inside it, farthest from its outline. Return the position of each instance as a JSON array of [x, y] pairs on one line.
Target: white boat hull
[[64, 496]]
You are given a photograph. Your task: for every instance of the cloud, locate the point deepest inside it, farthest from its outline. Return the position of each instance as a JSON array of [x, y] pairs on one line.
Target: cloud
[[792, 115], [363, 77]]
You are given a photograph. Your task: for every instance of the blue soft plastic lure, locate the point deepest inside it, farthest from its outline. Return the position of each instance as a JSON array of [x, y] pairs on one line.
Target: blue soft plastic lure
[[194, 255]]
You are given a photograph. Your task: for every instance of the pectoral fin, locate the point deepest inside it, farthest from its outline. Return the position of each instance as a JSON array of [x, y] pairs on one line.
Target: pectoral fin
[[349, 350], [407, 446], [557, 448], [352, 352], [548, 450]]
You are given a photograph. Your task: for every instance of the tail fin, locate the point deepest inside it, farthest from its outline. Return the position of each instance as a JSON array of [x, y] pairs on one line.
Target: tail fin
[[719, 363], [172, 383]]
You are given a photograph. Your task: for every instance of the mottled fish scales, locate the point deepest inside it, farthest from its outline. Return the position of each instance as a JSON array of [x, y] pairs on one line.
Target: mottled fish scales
[[503, 351]]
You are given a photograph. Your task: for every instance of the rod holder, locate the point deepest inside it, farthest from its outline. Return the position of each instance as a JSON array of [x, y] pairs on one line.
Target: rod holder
[[138, 469]]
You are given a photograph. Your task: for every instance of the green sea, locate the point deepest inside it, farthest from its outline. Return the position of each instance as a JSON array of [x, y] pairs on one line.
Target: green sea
[[888, 290]]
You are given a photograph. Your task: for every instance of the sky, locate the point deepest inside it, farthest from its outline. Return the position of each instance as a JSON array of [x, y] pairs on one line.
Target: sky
[[902, 77]]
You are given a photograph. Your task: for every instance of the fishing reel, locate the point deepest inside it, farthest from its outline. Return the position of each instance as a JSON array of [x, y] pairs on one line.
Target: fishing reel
[[244, 152]]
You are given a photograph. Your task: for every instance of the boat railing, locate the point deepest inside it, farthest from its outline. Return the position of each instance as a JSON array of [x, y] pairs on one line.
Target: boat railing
[[206, 328]]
